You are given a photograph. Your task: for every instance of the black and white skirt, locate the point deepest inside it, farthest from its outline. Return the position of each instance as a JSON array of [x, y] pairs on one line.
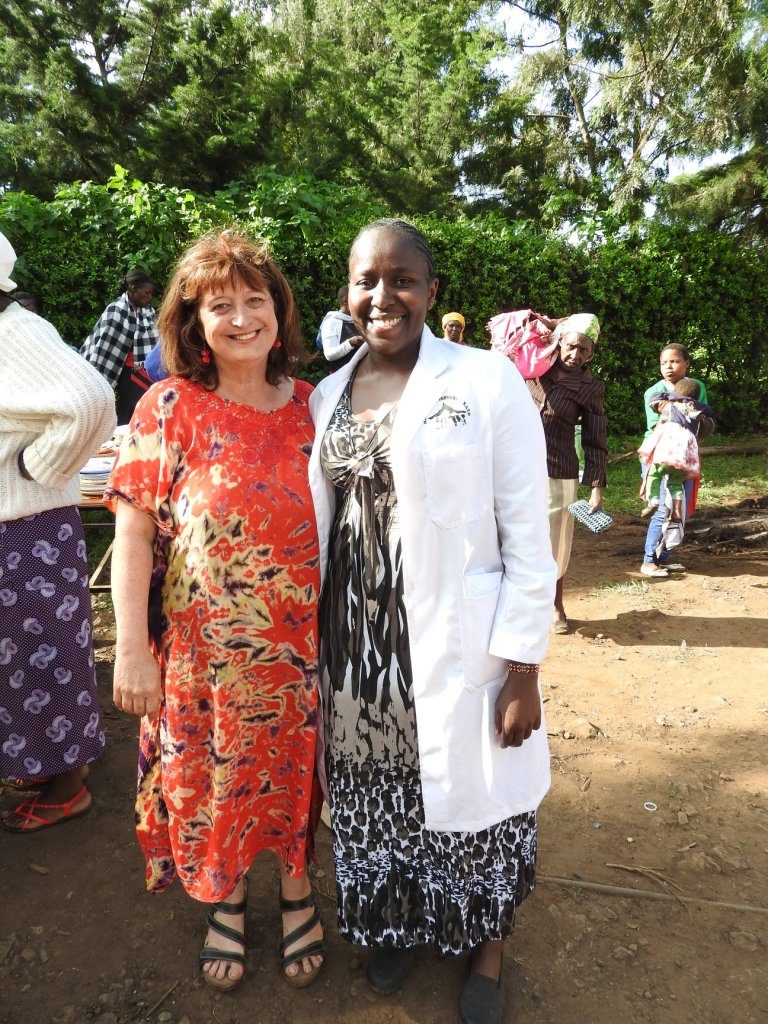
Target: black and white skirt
[[399, 884]]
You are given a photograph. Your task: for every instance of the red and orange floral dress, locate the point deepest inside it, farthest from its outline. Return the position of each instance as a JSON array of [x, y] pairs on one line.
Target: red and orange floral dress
[[226, 771]]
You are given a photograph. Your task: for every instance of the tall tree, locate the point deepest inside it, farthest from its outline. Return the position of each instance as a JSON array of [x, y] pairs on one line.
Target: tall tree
[[75, 83], [390, 92], [732, 195], [607, 94]]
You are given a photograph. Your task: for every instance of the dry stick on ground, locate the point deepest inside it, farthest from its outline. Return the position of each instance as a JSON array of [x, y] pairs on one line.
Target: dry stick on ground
[[623, 890], [652, 873], [654, 876], [160, 1001]]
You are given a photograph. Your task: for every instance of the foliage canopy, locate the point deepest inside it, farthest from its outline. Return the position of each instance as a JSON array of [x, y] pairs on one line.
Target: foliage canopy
[[668, 284]]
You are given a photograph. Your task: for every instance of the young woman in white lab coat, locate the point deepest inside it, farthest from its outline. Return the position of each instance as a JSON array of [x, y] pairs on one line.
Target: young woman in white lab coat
[[430, 485]]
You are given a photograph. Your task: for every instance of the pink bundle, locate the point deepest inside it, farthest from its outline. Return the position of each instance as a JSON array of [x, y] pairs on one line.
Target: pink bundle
[[523, 338]]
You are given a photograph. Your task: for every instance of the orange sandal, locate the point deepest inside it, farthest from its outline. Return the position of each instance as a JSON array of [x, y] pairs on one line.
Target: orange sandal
[[32, 822]]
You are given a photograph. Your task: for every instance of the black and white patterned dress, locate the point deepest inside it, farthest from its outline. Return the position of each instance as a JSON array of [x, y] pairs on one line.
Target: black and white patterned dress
[[399, 884]]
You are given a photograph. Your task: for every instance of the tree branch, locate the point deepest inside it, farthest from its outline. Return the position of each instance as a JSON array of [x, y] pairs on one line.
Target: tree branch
[[589, 142]]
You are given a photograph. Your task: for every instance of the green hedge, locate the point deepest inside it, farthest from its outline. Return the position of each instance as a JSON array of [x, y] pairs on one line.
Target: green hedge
[[666, 284]]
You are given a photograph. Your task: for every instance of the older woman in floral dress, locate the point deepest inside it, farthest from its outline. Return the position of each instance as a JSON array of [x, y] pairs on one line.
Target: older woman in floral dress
[[217, 549]]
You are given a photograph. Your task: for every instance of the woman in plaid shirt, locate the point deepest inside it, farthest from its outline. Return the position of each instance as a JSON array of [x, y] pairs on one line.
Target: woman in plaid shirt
[[121, 340]]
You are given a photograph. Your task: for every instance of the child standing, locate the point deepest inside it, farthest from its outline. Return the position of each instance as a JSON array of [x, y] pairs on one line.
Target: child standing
[[671, 450], [674, 364]]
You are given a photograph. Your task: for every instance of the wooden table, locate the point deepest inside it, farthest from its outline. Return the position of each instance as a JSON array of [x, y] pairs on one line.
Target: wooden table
[[96, 503]]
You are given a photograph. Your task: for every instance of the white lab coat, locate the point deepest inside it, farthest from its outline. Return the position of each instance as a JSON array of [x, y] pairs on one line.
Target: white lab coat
[[470, 473]]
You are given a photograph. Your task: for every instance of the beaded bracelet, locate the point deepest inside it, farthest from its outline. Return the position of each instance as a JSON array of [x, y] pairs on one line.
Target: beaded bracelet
[[519, 666]]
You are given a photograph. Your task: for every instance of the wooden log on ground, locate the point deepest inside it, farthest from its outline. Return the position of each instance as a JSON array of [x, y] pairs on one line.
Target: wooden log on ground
[[743, 448]]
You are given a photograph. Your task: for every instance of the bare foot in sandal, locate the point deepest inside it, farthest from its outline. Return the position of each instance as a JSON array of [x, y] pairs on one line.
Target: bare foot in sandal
[[226, 935], [301, 970], [62, 799]]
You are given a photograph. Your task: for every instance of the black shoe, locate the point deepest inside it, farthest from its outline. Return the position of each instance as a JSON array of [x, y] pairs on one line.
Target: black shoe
[[387, 968], [482, 1000]]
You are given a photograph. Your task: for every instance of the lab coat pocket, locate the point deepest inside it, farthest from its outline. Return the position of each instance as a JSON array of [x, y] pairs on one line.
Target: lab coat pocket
[[477, 610], [457, 484]]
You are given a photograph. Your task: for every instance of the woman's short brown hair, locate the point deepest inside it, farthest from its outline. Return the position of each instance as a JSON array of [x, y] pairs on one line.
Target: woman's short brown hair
[[213, 261]]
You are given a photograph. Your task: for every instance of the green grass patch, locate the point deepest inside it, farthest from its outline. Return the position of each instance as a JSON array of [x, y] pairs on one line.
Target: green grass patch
[[632, 588], [726, 480]]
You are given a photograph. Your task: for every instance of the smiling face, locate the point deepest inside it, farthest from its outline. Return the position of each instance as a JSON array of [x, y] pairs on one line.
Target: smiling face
[[390, 291], [239, 324], [576, 350], [673, 365]]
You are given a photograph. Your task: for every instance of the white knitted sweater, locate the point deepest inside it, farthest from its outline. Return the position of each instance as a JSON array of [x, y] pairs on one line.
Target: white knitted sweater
[[54, 407]]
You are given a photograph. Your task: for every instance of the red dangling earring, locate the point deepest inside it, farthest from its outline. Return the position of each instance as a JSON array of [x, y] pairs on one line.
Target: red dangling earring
[[205, 354], [278, 343]]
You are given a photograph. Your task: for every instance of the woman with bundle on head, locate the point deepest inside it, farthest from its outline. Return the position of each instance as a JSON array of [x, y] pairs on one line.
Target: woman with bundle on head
[[55, 412], [429, 478], [216, 547], [122, 338], [567, 395]]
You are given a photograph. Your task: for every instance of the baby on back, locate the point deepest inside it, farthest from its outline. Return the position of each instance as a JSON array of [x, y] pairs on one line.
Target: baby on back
[[672, 450]]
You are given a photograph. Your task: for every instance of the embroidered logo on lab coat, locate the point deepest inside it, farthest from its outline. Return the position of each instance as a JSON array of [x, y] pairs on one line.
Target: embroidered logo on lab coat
[[448, 411]]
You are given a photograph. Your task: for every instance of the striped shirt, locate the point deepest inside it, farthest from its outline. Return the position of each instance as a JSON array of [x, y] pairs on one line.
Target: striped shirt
[[563, 403]]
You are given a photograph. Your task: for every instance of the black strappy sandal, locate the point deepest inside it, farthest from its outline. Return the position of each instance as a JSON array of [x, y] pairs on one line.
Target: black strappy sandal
[[315, 948], [210, 953]]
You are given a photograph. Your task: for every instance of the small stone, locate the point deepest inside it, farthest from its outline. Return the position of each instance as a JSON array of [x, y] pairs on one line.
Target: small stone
[[40, 869], [701, 863], [36, 929], [647, 994], [26, 988], [747, 941], [67, 1014], [730, 858], [622, 953], [567, 735], [185, 1020], [580, 925], [44, 957], [164, 1017], [584, 730], [682, 818], [28, 955], [690, 810]]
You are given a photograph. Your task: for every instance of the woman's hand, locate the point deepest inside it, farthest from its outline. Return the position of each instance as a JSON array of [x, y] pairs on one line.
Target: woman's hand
[[136, 687], [595, 500], [518, 709]]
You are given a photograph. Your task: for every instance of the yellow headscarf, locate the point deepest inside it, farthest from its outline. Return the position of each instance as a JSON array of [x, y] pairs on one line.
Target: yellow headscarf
[[458, 318]]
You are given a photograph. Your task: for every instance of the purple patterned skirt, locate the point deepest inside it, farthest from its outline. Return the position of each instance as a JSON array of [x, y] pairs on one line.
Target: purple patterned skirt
[[49, 710]]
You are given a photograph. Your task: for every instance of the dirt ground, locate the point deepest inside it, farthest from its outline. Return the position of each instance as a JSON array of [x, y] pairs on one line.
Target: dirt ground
[[657, 711]]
